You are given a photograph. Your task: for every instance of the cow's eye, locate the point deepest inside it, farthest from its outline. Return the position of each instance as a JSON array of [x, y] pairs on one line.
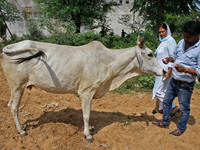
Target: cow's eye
[[150, 55]]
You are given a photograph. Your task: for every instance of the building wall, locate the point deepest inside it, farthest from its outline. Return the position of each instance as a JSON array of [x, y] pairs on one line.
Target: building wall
[[121, 18], [113, 18], [19, 27]]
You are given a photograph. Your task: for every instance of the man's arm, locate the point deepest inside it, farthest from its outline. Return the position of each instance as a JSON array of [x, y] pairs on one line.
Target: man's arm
[[180, 68]]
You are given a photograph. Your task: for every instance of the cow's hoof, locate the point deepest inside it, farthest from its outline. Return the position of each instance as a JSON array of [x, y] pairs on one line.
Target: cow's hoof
[[89, 138], [23, 134]]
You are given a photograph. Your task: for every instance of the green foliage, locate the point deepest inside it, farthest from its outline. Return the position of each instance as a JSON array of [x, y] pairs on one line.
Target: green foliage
[[8, 12], [81, 39], [125, 122], [34, 33], [177, 36], [197, 85], [146, 81], [138, 83], [176, 21], [151, 40], [154, 11], [128, 41], [77, 39], [126, 87], [116, 113], [61, 32], [81, 12]]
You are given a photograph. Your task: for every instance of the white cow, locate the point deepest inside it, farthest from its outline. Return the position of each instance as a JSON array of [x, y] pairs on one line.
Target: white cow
[[90, 70]]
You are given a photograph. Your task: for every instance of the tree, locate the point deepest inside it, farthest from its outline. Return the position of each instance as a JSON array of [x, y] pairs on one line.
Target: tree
[[82, 12], [8, 12], [176, 21], [136, 25], [155, 11]]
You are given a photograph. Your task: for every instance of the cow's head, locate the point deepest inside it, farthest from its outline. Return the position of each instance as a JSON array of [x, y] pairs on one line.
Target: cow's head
[[147, 61]]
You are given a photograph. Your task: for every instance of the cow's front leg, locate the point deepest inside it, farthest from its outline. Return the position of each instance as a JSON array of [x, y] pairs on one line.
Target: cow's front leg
[[86, 106]]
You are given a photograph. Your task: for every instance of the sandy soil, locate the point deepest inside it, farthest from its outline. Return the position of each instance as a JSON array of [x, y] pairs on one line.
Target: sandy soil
[[121, 122]]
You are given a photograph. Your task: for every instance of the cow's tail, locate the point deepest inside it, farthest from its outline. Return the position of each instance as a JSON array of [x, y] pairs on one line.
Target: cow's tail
[[25, 59]]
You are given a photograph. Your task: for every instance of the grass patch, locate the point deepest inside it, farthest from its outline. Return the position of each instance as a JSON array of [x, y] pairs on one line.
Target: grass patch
[[142, 83], [197, 85], [125, 122]]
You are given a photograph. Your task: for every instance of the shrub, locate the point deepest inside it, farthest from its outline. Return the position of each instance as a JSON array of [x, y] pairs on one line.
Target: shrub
[[146, 81], [126, 87], [34, 33]]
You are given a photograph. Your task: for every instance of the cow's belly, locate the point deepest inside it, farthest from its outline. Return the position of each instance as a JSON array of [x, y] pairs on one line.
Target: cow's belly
[[54, 83], [56, 76], [54, 87]]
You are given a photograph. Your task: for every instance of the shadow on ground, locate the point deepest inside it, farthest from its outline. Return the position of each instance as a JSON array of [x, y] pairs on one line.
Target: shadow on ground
[[98, 119]]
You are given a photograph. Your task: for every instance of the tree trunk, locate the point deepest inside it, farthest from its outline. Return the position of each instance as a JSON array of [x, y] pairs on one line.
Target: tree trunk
[[6, 25]]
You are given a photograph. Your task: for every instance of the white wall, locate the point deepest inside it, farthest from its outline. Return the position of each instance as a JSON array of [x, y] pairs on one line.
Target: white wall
[[20, 27]]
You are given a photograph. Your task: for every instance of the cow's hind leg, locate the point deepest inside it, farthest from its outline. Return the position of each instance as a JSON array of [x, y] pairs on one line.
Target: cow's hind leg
[[86, 106], [11, 100], [14, 106]]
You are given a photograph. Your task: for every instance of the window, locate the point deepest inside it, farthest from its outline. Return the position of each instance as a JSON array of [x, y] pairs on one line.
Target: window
[[28, 12], [127, 1], [120, 1], [27, 9]]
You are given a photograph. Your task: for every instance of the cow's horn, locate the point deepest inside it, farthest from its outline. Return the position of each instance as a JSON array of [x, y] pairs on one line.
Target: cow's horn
[[141, 44], [138, 40]]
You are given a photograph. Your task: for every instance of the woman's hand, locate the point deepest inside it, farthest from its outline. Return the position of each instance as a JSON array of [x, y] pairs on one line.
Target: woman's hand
[[166, 60], [166, 76]]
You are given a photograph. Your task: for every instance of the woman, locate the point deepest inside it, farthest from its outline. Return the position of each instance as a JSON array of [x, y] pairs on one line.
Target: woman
[[166, 47]]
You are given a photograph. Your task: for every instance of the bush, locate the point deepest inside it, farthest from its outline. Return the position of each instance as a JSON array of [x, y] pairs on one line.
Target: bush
[[139, 83], [151, 40], [146, 81], [126, 87], [34, 33], [197, 85]]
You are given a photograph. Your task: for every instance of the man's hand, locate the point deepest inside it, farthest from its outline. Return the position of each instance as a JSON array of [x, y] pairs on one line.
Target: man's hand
[[180, 68]]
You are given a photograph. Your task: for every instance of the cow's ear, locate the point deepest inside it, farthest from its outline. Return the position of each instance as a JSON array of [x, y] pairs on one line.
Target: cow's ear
[[139, 56]]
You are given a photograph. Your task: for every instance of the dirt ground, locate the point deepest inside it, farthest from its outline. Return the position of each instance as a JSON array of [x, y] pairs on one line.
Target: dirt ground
[[120, 121]]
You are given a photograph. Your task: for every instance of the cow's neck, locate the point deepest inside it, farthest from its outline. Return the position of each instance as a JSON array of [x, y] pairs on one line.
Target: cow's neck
[[123, 60], [124, 66]]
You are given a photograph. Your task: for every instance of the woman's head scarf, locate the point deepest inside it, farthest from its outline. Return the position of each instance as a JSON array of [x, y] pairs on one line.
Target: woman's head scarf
[[168, 35]]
